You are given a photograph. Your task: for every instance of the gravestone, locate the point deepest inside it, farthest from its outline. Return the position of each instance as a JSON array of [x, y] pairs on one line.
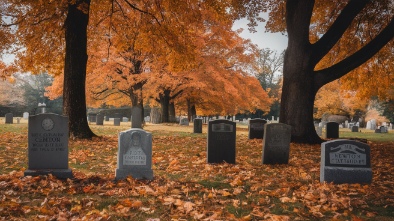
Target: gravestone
[[48, 146], [355, 129], [100, 119], [134, 155], [92, 117], [383, 129], [345, 161], [106, 117], [197, 125], [276, 145], [25, 115], [184, 121], [136, 121], [256, 128], [116, 121], [373, 124], [368, 127], [221, 141], [125, 119], [378, 131], [332, 130], [9, 118]]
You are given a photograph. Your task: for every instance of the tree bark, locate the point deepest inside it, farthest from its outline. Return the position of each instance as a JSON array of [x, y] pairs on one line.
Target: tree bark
[[165, 103], [74, 99]]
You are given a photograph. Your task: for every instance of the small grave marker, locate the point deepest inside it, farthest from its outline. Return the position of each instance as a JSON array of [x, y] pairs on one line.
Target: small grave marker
[[48, 146], [116, 121], [197, 125], [9, 118], [221, 141], [345, 161], [100, 119], [256, 128], [184, 121], [332, 130], [276, 145], [134, 155], [355, 129]]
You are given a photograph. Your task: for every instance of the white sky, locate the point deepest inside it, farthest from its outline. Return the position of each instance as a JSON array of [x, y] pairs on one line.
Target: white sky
[[273, 41]]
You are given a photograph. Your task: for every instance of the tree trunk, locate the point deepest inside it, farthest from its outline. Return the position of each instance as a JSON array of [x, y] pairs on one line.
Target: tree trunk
[[171, 112], [165, 103], [155, 115], [74, 100]]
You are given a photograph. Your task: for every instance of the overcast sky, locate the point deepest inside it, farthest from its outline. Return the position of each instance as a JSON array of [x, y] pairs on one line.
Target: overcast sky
[[273, 41]]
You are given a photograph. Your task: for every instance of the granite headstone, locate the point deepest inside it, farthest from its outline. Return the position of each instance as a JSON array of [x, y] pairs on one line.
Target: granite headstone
[[332, 130], [256, 128], [134, 155], [9, 118], [48, 146], [221, 141], [345, 161], [355, 129], [197, 125], [276, 145], [100, 119], [116, 121]]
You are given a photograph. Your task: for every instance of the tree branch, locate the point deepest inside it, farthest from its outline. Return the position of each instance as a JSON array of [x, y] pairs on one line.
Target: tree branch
[[334, 33], [343, 67]]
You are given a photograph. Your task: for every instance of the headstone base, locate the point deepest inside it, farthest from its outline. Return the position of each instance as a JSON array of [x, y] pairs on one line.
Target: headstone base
[[346, 175], [59, 173], [135, 173]]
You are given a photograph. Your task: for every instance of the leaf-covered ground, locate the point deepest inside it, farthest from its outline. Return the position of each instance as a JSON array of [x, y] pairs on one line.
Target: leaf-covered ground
[[185, 187]]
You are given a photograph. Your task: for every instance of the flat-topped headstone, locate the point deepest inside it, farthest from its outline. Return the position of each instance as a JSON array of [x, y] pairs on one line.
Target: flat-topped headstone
[[48, 146], [116, 121], [25, 115], [355, 129], [92, 117], [125, 119], [332, 130], [9, 118], [221, 141], [106, 118], [134, 155], [100, 119], [383, 129], [276, 145], [184, 121], [378, 131], [256, 128], [345, 161], [197, 125], [136, 117]]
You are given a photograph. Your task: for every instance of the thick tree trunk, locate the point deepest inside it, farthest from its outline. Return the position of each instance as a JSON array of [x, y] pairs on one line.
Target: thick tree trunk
[[191, 110], [165, 103], [171, 112], [74, 100]]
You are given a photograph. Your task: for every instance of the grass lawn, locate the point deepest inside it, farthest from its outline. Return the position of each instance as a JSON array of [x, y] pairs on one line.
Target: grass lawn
[[185, 187]]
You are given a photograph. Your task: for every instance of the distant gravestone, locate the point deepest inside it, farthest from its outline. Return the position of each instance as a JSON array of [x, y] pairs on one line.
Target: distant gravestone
[[100, 119], [345, 161], [25, 115], [383, 129], [368, 127], [197, 125], [256, 128], [184, 121], [116, 121], [48, 146], [136, 120], [92, 117], [125, 119], [134, 154], [332, 130], [106, 118], [276, 145], [9, 118], [373, 124], [355, 129], [221, 141]]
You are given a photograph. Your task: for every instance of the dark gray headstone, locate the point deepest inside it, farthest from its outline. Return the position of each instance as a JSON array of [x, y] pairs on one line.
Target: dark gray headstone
[[276, 144], [48, 146], [197, 125], [383, 129], [332, 130], [106, 118], [345, 161], [256, 128], [355, 129], [116, 121], [136, 120], [100, 119], [378, 131], [9, 118], [92, 117], [134, 155], [221, 141], [184, 121]]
